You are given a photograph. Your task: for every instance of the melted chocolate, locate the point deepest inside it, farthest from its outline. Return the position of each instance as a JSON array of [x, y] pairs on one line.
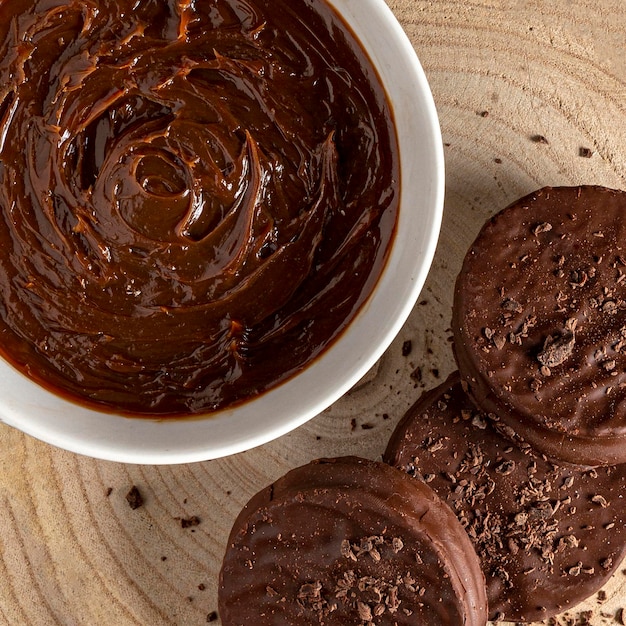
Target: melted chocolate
[[350, 541], [548, 535], [196, 198]]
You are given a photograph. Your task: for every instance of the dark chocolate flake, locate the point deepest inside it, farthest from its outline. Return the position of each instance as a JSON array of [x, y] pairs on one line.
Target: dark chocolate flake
[[189, 522], [557, 350], [310, 592], [134, 498], [512, 306], [567, 542], [576, 570], [397, 544], [539, 139], [499, 341], [506, 467], [346, 550], [601, 500], [544, 227], [365, 612]]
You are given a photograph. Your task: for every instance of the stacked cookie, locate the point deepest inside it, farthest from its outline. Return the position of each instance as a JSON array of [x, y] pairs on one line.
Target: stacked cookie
[[527, 443], [548, 534], [539, 322], [500, 495]]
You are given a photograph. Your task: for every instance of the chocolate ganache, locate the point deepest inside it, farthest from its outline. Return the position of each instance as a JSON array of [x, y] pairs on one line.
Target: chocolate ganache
[[195, 198]]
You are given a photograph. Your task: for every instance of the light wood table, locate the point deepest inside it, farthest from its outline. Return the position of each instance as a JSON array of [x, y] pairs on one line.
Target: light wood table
[[72, 550]]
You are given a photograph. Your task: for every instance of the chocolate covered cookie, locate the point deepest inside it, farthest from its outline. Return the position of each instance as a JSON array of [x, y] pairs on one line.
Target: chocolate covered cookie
[[350, 542], [548, 535], [539, 322]]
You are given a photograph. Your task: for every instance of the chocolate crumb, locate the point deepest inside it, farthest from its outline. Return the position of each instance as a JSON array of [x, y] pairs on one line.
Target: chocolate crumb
[[310, 592], [544, 227], [346, 550], [575, 571], [601, 500], [397, 544], [189, 522], [407, 347], [499, 342], [109, 491], [212, 616], [586, 153], [365, 612], [556, 350], [506, 467], [539, 139], [606, 563], [134, 498]]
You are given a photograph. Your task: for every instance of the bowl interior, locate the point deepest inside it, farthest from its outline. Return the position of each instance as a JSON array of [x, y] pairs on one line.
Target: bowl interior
[[32, 409]]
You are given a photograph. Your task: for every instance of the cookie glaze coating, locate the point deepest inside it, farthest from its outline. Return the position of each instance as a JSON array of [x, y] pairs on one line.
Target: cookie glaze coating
[[548, 535], [195, 198], [539, 322], [349, 542]]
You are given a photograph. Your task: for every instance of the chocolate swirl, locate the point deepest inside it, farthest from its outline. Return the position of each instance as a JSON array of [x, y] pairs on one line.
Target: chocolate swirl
[[195, 200]]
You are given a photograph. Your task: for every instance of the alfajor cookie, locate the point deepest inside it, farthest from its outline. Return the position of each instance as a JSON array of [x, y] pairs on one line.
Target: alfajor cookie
[[350, 542], [539, 322], [548, 535]]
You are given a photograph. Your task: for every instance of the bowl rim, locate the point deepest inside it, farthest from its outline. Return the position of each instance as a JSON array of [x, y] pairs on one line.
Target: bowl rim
[[103, 435]]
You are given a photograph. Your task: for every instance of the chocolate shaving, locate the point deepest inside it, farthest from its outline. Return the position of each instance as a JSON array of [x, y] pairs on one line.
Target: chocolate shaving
[[539, 139], [310, 592], [601, 500], [365, 612], [512, 305], [189, 522], [557, 350], [544, 227], [134, 498]]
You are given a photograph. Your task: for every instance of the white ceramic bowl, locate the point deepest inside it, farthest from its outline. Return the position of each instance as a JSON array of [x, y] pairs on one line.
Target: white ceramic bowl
[[32, 409]]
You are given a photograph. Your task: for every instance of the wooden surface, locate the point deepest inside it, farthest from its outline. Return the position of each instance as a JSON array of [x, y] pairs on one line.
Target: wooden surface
[[72, 550]]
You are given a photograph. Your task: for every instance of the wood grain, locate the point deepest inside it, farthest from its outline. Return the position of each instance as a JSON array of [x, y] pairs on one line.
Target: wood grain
[[72, 550]]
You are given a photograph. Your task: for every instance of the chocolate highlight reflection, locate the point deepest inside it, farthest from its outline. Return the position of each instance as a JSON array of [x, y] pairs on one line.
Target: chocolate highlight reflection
[[196, 198]]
